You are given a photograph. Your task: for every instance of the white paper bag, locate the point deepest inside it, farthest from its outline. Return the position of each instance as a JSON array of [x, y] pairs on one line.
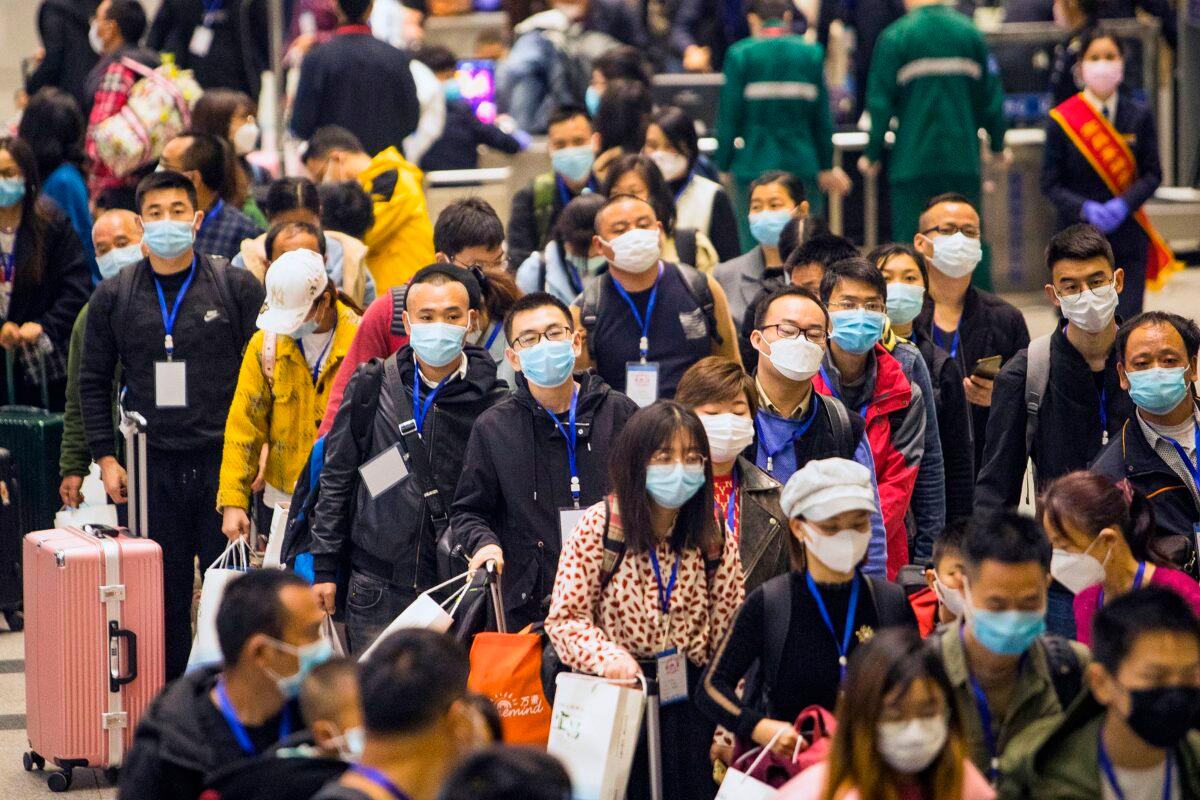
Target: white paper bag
[[329, 633], [234, 562], [740, 786], [86, 515], [594, 733], [425, 612], [274, 553]]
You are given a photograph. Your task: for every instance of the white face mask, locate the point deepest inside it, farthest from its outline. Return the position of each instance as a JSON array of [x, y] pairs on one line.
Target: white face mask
[[635, 250], [911, 745], [728, 435], [245, 139], [94, 38], [956, 256], [1076, 571], [673, 166], [952, 599], [841, 552], [1090, 312], [796, 359]]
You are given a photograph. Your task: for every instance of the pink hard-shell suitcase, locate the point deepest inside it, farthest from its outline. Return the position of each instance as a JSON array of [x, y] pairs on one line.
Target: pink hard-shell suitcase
[[93, 636]]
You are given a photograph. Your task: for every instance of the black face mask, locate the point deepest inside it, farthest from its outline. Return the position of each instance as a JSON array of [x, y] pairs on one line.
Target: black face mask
[[1163, 716]]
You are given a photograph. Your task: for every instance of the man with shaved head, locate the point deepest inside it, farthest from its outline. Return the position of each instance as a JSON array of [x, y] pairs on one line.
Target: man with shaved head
[[646, 320], [117, 238]]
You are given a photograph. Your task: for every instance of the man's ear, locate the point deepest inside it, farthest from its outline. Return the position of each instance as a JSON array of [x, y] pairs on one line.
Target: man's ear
[[1119, 280], [407, 323], [513, 359], [1052, 296], [1124, 378], [324, 732], [802, 210]]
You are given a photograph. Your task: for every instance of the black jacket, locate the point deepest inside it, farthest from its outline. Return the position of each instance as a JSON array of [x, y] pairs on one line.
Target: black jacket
[[1069, 430], [990, 326], [954, 428], [391, 537], [516, 477], [284, 773], [763, 531], [239, 50], [456, 148], [361, 83], [216, 320], [63, 29]]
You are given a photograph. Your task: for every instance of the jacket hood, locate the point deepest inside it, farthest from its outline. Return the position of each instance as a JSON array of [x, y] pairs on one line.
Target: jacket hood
[[479, 382], [172, 720], [592, 392]]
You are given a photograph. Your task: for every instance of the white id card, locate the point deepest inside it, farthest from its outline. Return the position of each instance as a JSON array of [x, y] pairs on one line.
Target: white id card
[[384, 471], [201, 42], [672, 677], [170, 384], [641, 382], [568, 518]]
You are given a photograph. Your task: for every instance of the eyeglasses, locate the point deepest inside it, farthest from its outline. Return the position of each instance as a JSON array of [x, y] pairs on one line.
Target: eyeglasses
[[499, 264], [786, 330], [665, 458], [1101, 287], [950, 228], [555, 333], [851, 305]]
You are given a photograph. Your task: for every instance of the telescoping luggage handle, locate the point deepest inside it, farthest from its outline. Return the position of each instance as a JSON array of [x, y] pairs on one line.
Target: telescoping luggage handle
[[10, 358], [133, 426]]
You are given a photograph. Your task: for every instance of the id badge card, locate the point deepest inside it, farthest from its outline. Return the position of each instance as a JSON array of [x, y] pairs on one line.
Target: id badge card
[[170, 384], [568, 518], [641, 382], [201, 41], [672, 677], [383, 471]]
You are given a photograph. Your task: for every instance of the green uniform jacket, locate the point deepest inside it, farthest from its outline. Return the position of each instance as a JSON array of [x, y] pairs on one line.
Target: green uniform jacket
[[1056, 759], [930, 70], [74, 458], [775, 100], [1033, 699]]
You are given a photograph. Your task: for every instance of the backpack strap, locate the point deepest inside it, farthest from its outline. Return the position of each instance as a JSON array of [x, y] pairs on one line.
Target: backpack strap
[[414, 446], [614, 548], [891, 604], [777, 605], [267, 358], [399, 293], [233, 312], [1037, 378], [839, 423], [1066, 673], [701, 291], [543, 205], [589, 309], [686, 246]]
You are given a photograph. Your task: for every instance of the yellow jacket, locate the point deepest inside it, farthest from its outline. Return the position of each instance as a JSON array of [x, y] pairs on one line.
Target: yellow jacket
[[400, 241], [285, 418]]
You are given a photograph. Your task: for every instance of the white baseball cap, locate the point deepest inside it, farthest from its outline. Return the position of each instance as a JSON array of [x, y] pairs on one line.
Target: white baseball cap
[[825, 488], [294, 281]]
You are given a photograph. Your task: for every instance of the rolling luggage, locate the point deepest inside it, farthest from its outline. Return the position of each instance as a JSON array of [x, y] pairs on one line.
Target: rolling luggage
[[10, 544], [34, 438], [94, 655]]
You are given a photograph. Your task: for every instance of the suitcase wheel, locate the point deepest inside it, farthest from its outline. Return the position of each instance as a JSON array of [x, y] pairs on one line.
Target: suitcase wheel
[[32, 761], [15, 620], [59, 781]]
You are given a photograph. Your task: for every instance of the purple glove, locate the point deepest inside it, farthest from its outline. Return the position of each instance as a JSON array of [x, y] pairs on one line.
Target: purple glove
[[1092, 212], [522, 138], [1118, 210]]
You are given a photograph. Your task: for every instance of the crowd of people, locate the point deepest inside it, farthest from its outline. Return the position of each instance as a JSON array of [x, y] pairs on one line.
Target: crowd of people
[[693, 431]]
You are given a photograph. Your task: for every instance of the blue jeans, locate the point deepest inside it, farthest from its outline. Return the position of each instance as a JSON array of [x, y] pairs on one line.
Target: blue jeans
[[371, 605]]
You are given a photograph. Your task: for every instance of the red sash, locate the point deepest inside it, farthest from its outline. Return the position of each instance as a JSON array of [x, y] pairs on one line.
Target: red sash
[[1106, 150]]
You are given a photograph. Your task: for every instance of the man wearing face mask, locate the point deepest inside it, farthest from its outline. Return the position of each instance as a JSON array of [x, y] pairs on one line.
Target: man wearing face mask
[[1133, 736], [393, 465], [176, 324], [538, 459], [968, 323], [893, 394], [269, 629], [1007, 672], [1080, 403], [646, 320]]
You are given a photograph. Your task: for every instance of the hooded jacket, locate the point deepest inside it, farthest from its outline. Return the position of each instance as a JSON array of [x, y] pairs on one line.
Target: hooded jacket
[[516, 477], [391, 536], [400, 241], [63, 29]]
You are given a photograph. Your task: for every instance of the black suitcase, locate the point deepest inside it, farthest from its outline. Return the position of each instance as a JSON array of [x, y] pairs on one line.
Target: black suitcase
[[10, 544]]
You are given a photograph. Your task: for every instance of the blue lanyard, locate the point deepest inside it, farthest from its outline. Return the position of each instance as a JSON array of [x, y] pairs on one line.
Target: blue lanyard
[[731, 506], [1104, 423], [168, 320], [212, 5], [564, 194], [844, 645], [985, 715], [316, 370], [664, 593], [940, 341], [9, 261], [1110, 774], [420, 409], [683, 187], [379, 779], [1137, 583], [569, 434], [492, 338], [791, 440], [862, 411], [239, 730], [644, 324], [1193, 469]]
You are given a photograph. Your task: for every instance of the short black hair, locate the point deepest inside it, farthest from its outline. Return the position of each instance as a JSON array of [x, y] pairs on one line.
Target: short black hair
[[622, 198], [1007, 537], [624, 112], [319, 696], [437, 58], [948, 197], [886, 252], [441, 273], [565, 113], [354, 10], [576, 223], [951, 540], [623, 61], [1121, 620], [130, 18], [328, 138], [508, 773], [764, 305], [1185, 327], [856, 269], [769, 9], [346, 207], [823, 249], [791, 184], [411, 680], [491, 716], [207, 155], [290, 194], [1078, 242], [294, 226], [528, 303], [166, 179], [252, 604], [468, 222]]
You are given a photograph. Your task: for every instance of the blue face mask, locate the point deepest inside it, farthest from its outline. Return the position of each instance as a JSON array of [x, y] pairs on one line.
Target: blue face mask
[[436, 343], [766, 226], [1007, 633], [591, 98], [168, 238], [452, 89], [1159, 389], [857, 330], [114, 261], [588, 266], [307, 328], [548, 364], [904, 302], [310, 656], [672, 485], [12, 191], [573, 163]]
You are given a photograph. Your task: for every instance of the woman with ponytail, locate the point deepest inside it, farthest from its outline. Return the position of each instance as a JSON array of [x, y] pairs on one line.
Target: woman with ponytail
[[1104, 544]]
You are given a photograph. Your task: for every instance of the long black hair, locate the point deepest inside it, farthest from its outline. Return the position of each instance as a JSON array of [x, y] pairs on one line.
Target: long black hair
[[53, 126], [680, 130], [33, 220], [649, 430], [625, 108]]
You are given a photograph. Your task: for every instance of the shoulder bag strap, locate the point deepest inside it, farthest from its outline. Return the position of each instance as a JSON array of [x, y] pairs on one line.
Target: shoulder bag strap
[[414, 445]]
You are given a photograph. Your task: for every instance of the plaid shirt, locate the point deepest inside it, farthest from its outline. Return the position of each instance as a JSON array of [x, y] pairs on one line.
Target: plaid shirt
[[223, 231], [111, 97], [1169, 454]]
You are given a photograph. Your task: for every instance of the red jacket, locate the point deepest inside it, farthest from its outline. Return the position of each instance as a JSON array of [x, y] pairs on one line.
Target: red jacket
[[925, 607], [896, 430]]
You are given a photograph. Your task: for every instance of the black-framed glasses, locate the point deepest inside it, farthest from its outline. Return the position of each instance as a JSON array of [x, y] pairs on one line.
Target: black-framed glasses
[[1101, 287], [555, 333], [786, 330], [951, 228], [853, 305], [500, 264]]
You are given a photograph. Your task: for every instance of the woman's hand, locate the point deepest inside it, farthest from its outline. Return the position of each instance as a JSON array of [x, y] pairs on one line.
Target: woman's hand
[[30, 333], [10, 335], [785, 745], [623, 669], [834, 181]]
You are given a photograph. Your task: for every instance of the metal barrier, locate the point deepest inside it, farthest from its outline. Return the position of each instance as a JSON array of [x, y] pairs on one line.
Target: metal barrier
[[444, 187], [457, 34]]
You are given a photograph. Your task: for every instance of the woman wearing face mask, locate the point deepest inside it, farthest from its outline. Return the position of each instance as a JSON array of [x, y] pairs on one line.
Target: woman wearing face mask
[[499, 292], [639, 176], [1104, 539], [814, 616], [676, 585], [572, 259], [700, 204], [1108, 191], [898, 734], [747, 499], [44, 281], [287, 371], [625, 108], [229, 114]]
